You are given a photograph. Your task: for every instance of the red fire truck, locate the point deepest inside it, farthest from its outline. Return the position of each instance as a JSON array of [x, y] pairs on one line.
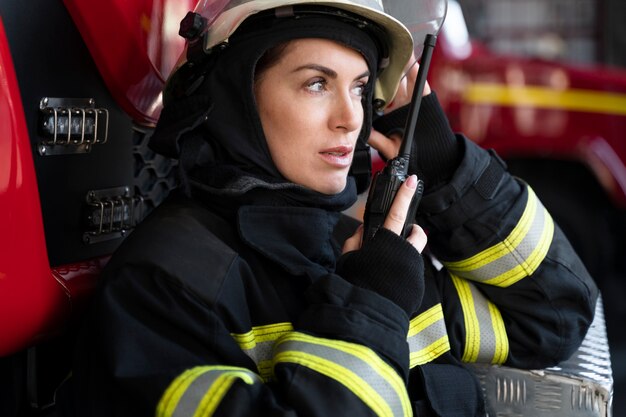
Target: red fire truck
[[560, 127], [80, 86]]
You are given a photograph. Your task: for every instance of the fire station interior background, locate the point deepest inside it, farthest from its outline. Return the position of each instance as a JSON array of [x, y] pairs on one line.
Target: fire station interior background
[[582, 32], [579, 32], [570, 31]]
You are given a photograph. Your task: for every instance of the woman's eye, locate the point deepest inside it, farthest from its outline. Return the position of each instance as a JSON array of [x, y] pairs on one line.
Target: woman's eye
[[317, 85], [359, 89]]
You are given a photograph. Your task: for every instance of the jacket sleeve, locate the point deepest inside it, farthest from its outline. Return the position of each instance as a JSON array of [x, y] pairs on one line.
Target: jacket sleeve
[[514, 291], [155, 344]]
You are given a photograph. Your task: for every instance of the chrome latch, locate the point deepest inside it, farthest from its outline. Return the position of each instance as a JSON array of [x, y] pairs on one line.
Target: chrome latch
[[112, 213], [71, 125]]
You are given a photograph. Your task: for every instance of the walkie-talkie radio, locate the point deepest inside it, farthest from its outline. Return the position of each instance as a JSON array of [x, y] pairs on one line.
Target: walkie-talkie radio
[[387, 181]]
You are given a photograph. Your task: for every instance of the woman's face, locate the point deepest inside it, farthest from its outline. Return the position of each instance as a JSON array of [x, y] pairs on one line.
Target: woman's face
[[309, 102]]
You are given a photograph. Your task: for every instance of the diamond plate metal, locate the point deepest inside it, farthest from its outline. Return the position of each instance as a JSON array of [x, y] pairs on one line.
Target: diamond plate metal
[[582, 386]]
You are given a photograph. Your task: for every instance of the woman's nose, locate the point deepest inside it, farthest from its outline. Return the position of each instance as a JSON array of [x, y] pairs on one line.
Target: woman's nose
[[347, 114]]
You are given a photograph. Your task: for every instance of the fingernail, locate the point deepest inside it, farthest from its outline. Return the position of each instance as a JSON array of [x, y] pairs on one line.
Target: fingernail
[[411, 182]]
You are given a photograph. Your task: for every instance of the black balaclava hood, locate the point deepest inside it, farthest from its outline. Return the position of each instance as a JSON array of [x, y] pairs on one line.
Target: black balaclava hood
[[210, 120]]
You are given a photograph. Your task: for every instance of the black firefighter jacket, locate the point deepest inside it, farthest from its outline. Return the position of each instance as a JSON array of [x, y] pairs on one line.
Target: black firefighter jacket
[[201, 317]]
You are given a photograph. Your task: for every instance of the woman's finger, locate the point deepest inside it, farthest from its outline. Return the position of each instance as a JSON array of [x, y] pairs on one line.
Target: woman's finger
[[397, 213], [417, 238], [387, 146]]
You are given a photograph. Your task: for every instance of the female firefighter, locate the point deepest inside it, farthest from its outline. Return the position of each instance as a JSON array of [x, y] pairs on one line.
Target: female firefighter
[[249, 292]]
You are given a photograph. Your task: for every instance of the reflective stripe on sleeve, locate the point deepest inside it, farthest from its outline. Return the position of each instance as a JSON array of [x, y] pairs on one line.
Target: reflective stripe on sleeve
[[356, 367], [198, 391], [486, 340], [258, 344], [427, 337], [517, 256]]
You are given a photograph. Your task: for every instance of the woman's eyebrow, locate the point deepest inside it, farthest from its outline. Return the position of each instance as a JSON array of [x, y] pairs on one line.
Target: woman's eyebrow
[[365, 74], [324, 70], [327, 71]]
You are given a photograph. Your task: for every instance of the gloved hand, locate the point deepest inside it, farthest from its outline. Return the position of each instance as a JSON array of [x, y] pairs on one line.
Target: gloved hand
[[387, 263], [435, 153]]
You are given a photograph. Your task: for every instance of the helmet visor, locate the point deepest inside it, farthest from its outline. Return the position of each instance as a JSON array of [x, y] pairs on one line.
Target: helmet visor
[[421, 17]]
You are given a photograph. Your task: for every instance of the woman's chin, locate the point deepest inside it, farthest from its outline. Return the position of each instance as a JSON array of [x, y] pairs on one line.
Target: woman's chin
[[331, 187]]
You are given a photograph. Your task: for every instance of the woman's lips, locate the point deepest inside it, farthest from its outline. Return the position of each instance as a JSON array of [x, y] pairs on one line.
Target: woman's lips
[[340, 156]]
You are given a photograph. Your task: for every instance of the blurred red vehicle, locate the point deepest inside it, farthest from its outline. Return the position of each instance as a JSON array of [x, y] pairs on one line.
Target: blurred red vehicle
[[560, 127]]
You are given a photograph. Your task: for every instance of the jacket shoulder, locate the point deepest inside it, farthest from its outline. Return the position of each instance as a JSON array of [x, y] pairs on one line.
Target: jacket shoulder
[[184, 241]]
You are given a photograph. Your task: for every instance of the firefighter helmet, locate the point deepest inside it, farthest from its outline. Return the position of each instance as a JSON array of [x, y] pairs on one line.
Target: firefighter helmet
[[214, 21]]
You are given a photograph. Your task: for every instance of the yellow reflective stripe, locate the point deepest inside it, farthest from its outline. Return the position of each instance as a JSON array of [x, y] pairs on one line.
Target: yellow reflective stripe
[[518, 255], [427, 336], [427, 318], [259, 334], [534, 96], [259, 342], [430, 352], [342, 375], [198, 391], [265, 369], [486, 340], [356, 367], [472, 327], [176, 389], [214, 395]]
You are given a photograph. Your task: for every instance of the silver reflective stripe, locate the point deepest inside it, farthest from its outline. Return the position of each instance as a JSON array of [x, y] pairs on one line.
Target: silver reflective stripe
[[485, 335], [195, 393], [261, 354], [356, 367], [427, 337], [259, 342], [517, 256], [199, 391]]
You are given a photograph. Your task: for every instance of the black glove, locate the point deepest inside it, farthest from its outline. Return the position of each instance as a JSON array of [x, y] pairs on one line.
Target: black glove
[[435, 154], [388, 265]]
